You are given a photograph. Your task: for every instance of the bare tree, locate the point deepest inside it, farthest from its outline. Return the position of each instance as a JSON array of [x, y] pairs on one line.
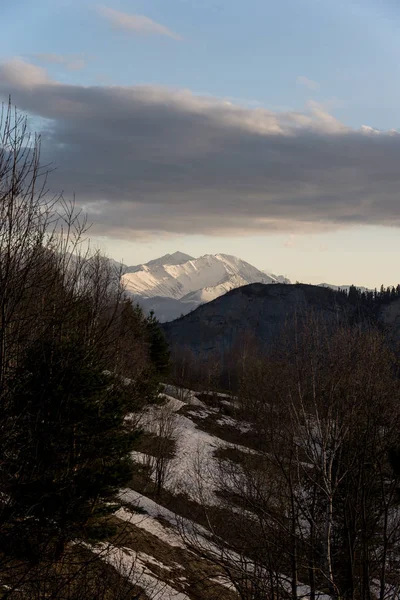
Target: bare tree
[[316, 504]]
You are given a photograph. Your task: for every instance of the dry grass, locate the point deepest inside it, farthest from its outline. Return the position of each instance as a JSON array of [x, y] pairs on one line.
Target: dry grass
[[152, 444]]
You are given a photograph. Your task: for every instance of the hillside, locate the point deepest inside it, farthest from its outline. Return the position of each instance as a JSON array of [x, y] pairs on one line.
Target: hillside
[[259, 310], [166, 545], [217, 528]]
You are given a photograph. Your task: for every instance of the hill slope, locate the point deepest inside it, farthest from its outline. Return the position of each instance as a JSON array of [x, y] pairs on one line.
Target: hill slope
[[259, 310]]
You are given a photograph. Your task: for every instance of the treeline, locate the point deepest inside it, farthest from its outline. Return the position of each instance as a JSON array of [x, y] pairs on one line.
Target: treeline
[[77, 359], [370, 299]]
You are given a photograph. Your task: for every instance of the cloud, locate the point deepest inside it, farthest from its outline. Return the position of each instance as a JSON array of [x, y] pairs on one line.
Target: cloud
[[308, 83], [136, 23], [72, 63], [18, 74], [145, 159]]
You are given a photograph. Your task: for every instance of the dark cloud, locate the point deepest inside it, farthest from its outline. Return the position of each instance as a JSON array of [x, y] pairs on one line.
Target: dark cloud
[[145, 158]]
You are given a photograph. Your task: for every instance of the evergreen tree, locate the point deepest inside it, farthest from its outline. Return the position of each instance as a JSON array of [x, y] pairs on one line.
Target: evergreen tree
[[159, 350], [70, 448]]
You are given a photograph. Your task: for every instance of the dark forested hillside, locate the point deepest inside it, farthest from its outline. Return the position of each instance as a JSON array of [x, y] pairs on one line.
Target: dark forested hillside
[[259, 310], [265, 311]]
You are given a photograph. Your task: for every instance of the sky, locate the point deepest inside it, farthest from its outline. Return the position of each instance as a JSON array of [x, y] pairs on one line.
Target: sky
[[266, 129]]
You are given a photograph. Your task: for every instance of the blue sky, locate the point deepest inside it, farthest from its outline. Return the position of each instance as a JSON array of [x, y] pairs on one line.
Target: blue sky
[[250, 51], [338, 59]]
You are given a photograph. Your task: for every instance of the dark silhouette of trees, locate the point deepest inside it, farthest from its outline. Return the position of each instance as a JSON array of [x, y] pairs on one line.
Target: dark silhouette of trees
[[77, 358], [159, 349], [71, 447]]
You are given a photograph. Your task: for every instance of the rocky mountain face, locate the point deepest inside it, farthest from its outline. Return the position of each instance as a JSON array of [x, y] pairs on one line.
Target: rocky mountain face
[[278, 278], [175, 284], [258, 310]]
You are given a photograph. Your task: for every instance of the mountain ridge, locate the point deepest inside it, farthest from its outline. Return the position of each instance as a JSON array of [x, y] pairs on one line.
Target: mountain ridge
[[175, 284], [167, 259]]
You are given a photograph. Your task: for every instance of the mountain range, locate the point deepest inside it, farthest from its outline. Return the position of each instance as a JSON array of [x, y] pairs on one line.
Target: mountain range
[[175, 284]]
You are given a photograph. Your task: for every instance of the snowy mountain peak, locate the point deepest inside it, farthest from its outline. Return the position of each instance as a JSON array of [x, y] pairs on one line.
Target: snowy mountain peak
[[277, 278], [191, 281], [176, 258]]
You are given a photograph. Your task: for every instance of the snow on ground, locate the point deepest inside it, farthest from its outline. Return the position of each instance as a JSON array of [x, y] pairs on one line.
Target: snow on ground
[[190, 535], [151, 525], [134, 566], [156, 511], [194, 401], [392, 592], [200, 413], [184, 533], [230, 422], [303, 592], [174, 404], [194, 467], [194, 470], [223, 395], [183, 394], [224, 581]]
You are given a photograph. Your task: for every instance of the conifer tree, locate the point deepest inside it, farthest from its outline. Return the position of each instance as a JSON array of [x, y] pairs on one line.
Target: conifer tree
[[159, 350], [70, 450]]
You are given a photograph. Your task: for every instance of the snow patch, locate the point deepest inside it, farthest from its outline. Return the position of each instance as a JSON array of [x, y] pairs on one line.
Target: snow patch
[[134, 567], [150, 524], [230, 422]]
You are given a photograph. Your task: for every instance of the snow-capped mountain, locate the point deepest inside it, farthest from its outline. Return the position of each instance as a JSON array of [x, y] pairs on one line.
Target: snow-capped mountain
[[191, 281], [168, 259], [278, 278]]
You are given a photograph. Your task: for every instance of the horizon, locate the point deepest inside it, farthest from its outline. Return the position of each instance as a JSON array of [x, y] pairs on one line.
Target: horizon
[[267, 131]]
